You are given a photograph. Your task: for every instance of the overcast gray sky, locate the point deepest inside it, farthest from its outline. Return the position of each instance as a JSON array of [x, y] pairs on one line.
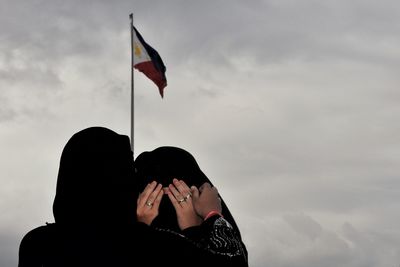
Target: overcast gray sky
[[290, 107]]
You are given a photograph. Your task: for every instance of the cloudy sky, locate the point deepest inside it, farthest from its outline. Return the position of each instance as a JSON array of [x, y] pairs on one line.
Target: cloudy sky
[[290, 107]]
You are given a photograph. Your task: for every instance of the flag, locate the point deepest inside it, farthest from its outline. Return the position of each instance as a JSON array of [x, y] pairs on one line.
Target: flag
[[147, 60]]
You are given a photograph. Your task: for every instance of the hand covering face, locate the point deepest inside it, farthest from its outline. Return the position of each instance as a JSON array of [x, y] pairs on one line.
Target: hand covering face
[[162, 165]]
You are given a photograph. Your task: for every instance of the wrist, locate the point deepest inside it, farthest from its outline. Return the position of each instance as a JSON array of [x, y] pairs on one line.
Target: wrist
[[212, 213], [145, 220]]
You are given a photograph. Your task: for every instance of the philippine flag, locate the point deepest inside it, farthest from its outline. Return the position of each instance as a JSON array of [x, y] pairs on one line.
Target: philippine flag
[[147, 60]]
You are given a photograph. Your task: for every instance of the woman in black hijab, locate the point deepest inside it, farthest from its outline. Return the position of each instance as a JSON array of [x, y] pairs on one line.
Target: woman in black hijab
[[94, 206], [176, 169]]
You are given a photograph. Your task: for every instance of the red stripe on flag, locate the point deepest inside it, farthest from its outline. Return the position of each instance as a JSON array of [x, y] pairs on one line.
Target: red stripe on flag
[[151, 72]]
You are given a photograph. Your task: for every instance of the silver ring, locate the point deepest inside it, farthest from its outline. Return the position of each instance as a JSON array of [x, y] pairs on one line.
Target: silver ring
[[188, 196], [181, 200], [149, 204]]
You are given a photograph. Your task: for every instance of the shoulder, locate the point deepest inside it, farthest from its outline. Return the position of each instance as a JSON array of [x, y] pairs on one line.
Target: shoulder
[[32, 244], [36, 235]]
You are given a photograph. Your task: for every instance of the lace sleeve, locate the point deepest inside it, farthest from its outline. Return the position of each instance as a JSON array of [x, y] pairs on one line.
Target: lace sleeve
[[218, 239], [222, 239]]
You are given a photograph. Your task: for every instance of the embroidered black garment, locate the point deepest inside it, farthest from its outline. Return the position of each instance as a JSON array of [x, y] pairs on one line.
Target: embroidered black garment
[[218, 236]]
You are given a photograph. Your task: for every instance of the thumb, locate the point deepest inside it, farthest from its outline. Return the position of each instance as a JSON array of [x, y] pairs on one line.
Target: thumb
[[195, 192]]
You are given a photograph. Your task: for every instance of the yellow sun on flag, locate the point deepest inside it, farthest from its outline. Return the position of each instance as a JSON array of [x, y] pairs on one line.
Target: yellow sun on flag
[[138, 51]]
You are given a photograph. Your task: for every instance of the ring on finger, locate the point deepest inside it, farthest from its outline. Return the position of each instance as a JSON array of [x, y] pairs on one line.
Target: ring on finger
[[149, 203], [181, 200], [188, 196]]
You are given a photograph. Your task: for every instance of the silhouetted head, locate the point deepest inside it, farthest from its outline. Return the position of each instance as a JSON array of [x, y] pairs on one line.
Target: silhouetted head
[[162, 165], [95, 183]]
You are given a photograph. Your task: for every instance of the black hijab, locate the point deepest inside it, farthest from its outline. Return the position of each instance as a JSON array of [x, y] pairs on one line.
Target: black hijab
[[95, 184], [94, 207], [162, 165]]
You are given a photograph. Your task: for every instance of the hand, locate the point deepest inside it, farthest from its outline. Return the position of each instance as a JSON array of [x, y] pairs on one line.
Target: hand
[[148, 203], [206, 199], [181, 198]]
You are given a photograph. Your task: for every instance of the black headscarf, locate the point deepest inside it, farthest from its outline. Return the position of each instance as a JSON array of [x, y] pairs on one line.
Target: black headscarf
[[94, 207], [95, 184], [162, 165]]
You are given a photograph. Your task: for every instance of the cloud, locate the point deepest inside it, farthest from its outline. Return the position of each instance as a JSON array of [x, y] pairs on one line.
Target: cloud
[[299, 238], [8, 249], [289, 107]]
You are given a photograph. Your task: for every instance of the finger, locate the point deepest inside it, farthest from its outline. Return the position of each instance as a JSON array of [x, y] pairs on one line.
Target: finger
[[174, 202], [146, 193], [183, 188], [180, 185], [195, 192], [203, 186], [154, 194], [186, 188], [214, 191], [165, 189], [176, 194], [157, 201], [140, 197]]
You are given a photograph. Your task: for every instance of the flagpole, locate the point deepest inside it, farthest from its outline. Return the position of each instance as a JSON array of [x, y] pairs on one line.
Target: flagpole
[[132, 89]]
